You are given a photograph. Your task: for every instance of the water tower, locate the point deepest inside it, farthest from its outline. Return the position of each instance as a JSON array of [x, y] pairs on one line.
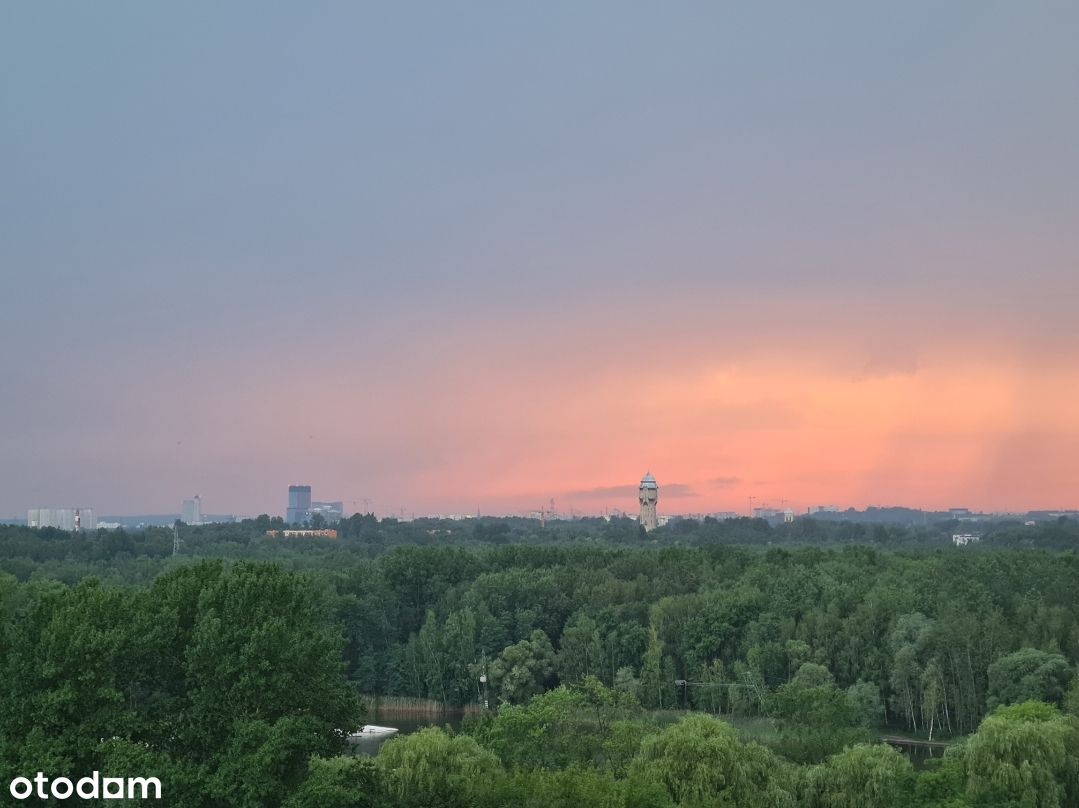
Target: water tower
[[649, 495]]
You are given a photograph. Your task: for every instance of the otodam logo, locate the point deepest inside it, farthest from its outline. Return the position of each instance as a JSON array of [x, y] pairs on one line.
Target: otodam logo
[[93, 787]]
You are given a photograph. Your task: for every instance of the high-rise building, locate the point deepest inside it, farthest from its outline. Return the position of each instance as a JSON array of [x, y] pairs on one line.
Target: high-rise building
[[75, 519], [649, 495], [330, 511], [299, 504], [191, 512]]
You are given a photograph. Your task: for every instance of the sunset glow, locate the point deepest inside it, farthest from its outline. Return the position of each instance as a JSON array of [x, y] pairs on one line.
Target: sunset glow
[[434, 269]]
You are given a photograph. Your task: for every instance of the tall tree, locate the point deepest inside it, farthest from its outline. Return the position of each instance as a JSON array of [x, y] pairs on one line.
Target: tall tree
[[1029, 675], [701, 761], [859, 776], [524, 669], [435, 770], [1025, 754]]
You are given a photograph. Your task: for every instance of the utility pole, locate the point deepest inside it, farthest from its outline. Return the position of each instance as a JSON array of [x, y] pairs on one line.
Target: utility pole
[[751, 682], [682, 683], [483, 678]]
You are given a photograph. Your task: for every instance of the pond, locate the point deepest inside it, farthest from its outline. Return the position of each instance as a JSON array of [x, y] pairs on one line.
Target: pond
[[405, 725], [917, 751]]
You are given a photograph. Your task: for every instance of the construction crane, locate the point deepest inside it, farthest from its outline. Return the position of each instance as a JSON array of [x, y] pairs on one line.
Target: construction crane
[[366, 505]]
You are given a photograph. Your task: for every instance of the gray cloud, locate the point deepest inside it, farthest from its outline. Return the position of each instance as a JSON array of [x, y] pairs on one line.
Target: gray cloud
[[604, 491], [676, 491], [892, 360]]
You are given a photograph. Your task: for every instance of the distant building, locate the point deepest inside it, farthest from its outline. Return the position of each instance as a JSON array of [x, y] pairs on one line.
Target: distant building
[[191, 512], [332, 512], [719, 516], [774, 515], [823, 509], [963, 539], [648, 496], [289, 534], [962, 514], [299, 504], [74, 519]]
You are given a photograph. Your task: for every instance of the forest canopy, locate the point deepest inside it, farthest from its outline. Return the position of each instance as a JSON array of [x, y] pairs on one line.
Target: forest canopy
[[617, 673]]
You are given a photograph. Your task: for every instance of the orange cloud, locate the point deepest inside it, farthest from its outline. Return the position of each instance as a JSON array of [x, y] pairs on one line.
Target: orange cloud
[[934, 438]]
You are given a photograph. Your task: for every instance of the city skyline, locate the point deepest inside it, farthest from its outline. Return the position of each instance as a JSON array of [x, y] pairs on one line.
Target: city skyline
[[484, 258], [756, 506]]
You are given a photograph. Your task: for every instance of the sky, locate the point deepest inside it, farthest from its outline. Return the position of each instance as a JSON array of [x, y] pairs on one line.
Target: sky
[[438, 258]]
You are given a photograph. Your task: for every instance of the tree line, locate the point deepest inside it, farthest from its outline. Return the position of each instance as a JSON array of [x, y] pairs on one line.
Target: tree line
[[227, 683], [923, 641], [142, 552], [238, 679]]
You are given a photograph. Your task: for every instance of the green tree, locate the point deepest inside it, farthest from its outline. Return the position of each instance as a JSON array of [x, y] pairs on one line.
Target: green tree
[[910, 640], [560, 728], [810, 674], [580, 652], [263, 647], [432, 769], [656, 687], [865, 704], [264, 762], [1024, 755], [798, 651], [932, 694], [814, 722], [225, 680], [338, 782], [712, 692], [701, 761], [622, 743], [572, 788], [524, 669], [459, 641], [626, 682], [1071, 698], [943, 783], [1028, 675], [859, 776]]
